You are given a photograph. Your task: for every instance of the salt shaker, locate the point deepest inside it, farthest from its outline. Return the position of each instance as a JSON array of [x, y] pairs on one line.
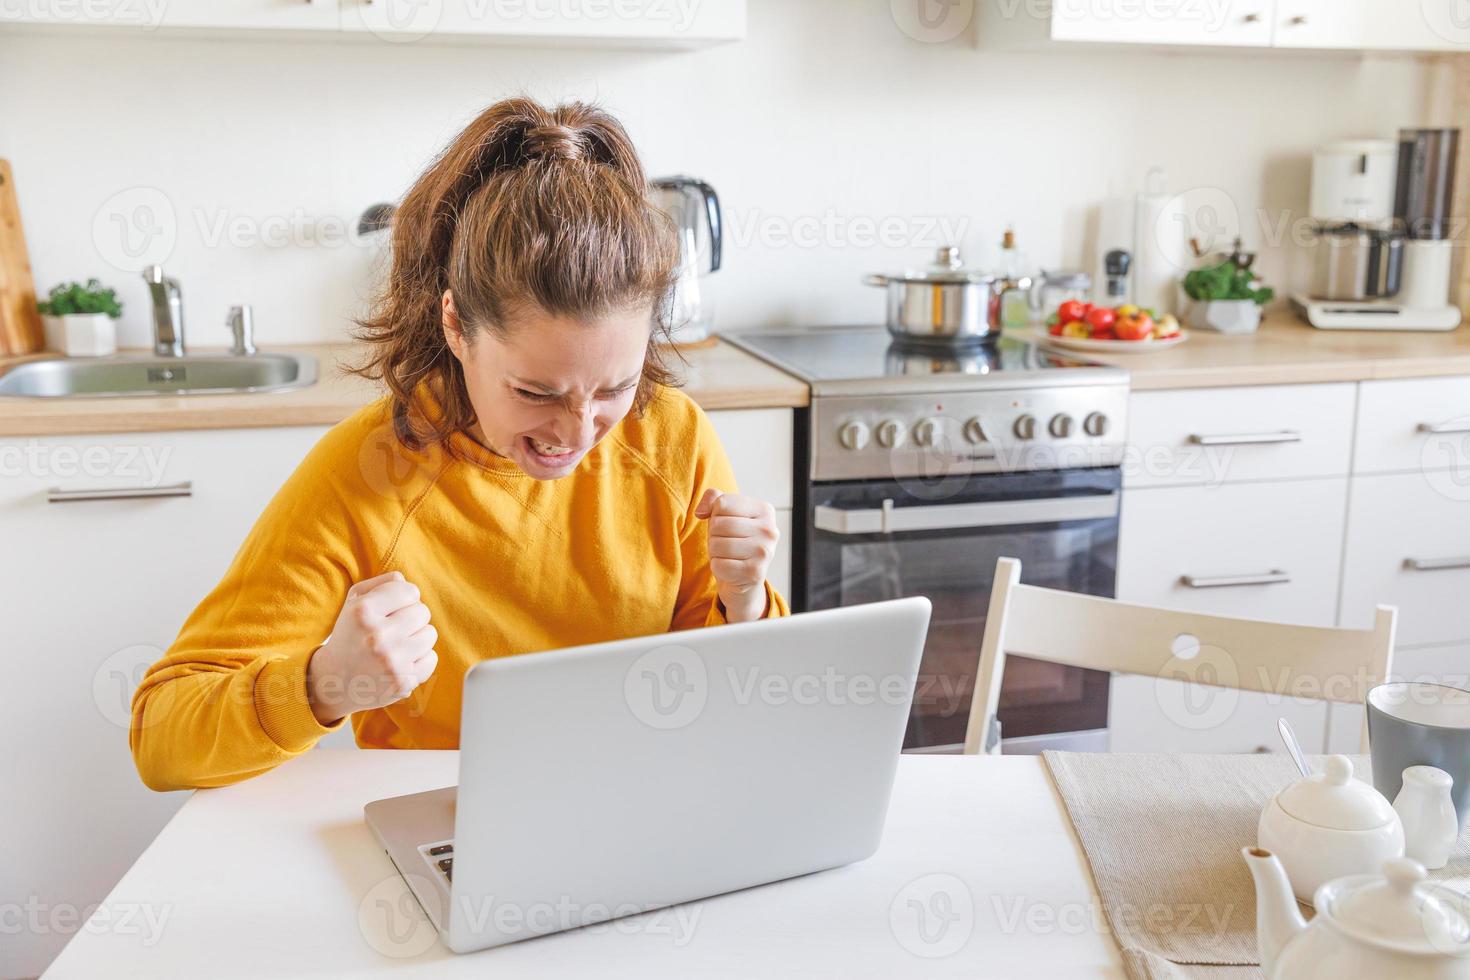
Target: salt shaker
[[1431, 828]]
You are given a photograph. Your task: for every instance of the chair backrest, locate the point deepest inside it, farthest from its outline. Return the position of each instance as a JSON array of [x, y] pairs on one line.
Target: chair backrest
[[1337, 665]]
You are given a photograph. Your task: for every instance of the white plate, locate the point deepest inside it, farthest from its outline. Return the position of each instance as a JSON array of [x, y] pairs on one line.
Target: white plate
[[1107, 346]]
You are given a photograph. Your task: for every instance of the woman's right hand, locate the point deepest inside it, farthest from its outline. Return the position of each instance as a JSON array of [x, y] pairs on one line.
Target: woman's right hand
[[380, 650]]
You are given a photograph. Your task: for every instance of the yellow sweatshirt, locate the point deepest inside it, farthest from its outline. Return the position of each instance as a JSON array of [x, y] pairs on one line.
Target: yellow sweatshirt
[[506, 565]]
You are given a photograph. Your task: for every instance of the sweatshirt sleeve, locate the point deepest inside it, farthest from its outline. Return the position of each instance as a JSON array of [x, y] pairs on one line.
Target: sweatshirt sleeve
[[699, 600], [228, 700]]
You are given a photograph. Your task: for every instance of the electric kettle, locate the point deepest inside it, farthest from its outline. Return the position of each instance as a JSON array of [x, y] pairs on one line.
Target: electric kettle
[[694, 208]]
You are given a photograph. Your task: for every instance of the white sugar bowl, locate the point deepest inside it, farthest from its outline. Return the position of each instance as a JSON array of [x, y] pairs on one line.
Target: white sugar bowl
[[1330, 825]]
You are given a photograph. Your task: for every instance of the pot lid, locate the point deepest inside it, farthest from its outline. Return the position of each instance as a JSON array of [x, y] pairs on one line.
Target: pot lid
[[1400, 908], [947, 267], [1334, 799]]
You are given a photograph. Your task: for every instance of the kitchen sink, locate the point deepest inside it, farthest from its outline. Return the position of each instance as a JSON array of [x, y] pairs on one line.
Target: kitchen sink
[[148, 374]]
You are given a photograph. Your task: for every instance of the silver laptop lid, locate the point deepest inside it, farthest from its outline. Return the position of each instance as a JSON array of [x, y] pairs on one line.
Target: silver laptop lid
[[609, 779]]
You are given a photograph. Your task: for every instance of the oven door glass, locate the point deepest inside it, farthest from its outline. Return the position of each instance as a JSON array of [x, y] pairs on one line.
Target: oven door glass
[[1062, 526]]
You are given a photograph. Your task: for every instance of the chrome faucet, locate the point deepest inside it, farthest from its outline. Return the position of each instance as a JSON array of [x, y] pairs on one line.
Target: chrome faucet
[[241, 322], [168, 312]]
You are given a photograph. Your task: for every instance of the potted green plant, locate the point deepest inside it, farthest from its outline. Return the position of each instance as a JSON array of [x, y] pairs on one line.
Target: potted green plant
[[1226, 296], [79, 319]]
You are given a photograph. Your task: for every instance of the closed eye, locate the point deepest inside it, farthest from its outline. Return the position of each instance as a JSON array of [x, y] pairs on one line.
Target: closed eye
[[539, 397]]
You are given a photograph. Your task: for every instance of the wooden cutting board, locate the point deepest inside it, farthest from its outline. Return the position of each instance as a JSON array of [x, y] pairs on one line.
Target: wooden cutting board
[[20, 324]]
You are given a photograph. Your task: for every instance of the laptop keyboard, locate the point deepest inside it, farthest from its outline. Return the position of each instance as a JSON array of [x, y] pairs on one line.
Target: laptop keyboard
[[445, 862]]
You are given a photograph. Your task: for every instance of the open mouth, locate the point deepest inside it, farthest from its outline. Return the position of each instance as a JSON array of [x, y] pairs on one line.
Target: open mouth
[[549, 453]]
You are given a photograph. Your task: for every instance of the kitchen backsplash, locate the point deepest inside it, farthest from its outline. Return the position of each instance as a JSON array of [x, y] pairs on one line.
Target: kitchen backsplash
[[839, 145]]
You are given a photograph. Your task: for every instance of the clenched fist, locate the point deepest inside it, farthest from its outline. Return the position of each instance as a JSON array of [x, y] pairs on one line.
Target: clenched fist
[[380, 650], [742, 542]]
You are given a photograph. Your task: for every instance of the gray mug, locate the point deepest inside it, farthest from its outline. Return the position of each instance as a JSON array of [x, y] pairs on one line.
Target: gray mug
[[1416, 724]]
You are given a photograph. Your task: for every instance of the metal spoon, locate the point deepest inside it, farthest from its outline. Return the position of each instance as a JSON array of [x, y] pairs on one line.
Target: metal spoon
[[1288, 736]]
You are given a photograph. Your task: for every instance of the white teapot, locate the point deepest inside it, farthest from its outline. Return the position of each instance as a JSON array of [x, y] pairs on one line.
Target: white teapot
[[1329, 825], [1368, 927]]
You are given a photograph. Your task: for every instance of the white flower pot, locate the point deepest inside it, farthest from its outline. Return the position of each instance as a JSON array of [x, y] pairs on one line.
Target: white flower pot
[[81, 334], [1225, 316]]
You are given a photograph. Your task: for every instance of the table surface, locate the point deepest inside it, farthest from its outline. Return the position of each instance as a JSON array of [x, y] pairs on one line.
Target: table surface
[[980, 875]]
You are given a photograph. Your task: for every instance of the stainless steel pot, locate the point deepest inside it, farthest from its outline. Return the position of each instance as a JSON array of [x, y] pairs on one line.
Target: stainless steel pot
[[1357, 264], [945, 304]]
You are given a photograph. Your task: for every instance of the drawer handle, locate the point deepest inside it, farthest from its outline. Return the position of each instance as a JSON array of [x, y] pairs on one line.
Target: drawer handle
[[1445, 428], [1235, 581], [1248, 439], [1435, 564], [56, 495]]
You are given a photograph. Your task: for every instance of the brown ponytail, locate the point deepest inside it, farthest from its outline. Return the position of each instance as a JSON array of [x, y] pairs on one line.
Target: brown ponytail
[[528, 208]]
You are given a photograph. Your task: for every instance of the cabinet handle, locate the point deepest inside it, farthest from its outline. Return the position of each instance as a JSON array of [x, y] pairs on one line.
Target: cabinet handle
[[1435, 564], [1251, 18], [56, 495], [1275, 577], [1299, 20], [1445, 428], [1248, 439]]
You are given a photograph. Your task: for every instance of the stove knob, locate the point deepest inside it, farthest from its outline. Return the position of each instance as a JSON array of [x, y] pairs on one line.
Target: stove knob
[[975, 430], [1026, 427], [1061, 426], [928, 433], [891, 433], [1096, 424], [853, 435]]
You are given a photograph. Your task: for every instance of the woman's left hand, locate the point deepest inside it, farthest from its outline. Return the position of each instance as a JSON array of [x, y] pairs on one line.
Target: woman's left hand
[[742, 541]]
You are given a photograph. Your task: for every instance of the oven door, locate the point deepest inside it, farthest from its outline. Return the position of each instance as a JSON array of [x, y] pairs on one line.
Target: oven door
[[884, 539]]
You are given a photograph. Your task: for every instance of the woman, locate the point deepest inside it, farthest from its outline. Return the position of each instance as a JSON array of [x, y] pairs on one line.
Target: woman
[[529, 482]]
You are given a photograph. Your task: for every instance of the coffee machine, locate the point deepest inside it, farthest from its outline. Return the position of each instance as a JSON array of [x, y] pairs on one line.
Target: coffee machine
[[1384, 259], [694, 208]]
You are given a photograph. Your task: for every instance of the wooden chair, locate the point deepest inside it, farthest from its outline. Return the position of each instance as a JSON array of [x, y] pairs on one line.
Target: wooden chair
[[1104, 634]]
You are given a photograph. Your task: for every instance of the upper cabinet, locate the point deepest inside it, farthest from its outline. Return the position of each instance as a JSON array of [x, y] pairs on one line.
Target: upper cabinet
[[1343, 25], [671, 23], [1419, 25], [644, 23], [1232, 22]]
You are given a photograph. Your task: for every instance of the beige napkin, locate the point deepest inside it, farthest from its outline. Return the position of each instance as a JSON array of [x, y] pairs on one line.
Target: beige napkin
[[1163, 835]]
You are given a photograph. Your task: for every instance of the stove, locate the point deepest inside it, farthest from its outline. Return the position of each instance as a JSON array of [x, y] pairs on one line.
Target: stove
[[880, 408], [922, 468]]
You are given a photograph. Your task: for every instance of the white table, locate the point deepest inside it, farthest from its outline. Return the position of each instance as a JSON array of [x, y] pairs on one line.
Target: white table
[[279, 876]]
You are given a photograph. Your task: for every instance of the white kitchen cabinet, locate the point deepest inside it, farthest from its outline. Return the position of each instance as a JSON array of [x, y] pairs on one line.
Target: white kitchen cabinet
[[1343, 25], [645, 23], [759, 444], [1415, 425], [94, 592], [292, 15], [1408, 545], [1280, 545], [1227, 435], [1340, 24], [1417, 25], [1229, 22], [1195, 23], [672, 22], [1285, 536]]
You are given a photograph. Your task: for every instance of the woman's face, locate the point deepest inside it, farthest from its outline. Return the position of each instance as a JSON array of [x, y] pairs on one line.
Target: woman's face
[[549, 390]]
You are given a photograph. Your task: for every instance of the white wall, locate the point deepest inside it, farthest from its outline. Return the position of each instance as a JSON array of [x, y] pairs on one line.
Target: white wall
[[827, 113]]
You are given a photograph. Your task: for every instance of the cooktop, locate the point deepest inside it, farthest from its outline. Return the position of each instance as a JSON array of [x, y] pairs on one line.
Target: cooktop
[[868, 360]]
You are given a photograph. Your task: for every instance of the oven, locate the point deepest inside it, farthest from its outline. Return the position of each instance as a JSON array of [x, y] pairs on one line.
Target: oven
[[921, 470], [871, 540]]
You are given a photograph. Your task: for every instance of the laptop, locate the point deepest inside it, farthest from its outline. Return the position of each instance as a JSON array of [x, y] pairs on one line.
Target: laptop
[[617, 778]]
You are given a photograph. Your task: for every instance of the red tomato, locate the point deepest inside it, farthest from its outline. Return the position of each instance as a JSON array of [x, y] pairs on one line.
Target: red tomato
[[1139, 326], [1071, 311], [1104, 335], [1055, 329], [1101, 319]]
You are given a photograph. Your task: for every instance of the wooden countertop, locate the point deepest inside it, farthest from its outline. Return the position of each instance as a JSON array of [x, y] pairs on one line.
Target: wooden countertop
[[1288, 351], [717, 376]]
